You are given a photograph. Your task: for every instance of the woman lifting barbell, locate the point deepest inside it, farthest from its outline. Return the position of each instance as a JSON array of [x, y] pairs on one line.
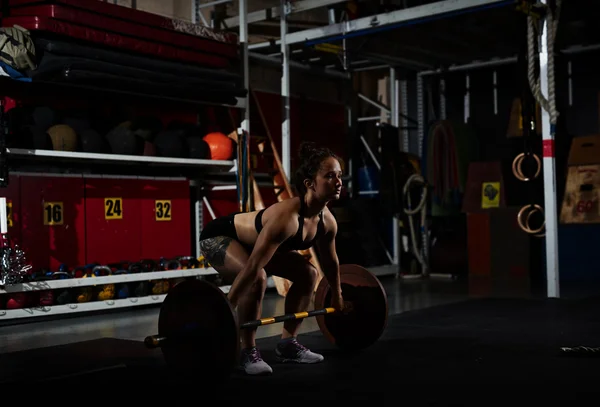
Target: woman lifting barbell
[[251, 245]]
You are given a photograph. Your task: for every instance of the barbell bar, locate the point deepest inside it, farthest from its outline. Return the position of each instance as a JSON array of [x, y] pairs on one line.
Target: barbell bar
[[197, 325], [155, 341]]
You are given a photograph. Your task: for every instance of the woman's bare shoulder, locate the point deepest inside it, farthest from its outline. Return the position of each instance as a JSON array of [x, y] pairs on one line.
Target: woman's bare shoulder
[[284, 213], [329, 220]]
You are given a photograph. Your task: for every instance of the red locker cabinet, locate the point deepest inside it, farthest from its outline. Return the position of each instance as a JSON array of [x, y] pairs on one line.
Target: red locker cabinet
[[12, 193], [53, 220], [113, 221], [166, 219]]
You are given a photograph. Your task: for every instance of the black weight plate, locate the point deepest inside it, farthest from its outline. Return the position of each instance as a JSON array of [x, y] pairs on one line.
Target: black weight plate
[[201, 330], [362, 326]]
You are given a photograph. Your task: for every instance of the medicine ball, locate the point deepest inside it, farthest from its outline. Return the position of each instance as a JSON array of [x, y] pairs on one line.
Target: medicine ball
[[198, 148], [78, 124], [221, 146], [170, 143], [35, 137], [146, 127], [30, 137], [44, 117], [63, 137], [92, 142], [122, 140]]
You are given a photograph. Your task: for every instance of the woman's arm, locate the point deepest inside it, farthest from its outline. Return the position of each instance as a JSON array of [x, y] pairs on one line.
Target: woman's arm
[[275, 232], [328, 258]]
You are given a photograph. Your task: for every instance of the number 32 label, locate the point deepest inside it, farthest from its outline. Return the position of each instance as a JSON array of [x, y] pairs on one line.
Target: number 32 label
[[162, 210]]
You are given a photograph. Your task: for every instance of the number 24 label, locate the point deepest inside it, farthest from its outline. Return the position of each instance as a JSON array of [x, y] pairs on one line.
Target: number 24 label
[[113, 208]]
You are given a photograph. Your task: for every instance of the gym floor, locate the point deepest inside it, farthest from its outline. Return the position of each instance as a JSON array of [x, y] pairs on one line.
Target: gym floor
[[135, 324], [444, 345]]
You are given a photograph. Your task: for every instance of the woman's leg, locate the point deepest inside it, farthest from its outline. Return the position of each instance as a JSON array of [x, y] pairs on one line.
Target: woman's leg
[[303, 275], [228, 257]]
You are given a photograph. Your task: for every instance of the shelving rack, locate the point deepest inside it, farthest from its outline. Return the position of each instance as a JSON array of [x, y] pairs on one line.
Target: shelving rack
[[196, 171]]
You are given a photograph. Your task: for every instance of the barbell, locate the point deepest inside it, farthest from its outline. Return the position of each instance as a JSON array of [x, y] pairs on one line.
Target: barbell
[[198, 330]]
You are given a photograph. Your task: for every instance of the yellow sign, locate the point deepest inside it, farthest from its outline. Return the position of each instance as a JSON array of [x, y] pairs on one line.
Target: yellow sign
[[162, 209], [53, 213], [490, 195], [113, 208], [9, 214]]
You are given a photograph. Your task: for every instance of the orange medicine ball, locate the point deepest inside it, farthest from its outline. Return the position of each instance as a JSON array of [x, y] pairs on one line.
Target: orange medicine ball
[[221, 146]]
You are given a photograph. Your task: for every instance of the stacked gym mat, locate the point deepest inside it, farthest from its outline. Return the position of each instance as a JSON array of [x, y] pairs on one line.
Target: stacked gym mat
[[97, 44]]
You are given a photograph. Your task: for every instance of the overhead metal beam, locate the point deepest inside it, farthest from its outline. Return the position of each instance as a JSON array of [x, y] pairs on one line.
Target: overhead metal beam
[[333, 73], [470, 66], [213, 3], [386, 21], [273, 12]]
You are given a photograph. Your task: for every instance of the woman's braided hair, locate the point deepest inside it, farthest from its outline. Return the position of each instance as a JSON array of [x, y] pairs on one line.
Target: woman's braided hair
[[311, 158]]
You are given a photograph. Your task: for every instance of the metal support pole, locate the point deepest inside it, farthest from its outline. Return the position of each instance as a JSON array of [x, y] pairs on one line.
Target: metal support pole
[[404, 114], [395, 119], [370, 152], [374, 103], [285, 93], [420, 115], [495, 78], [199, 220], [443, 99], [197, 13], [570, 69], [467, 102], [210, 209], [552, 272], [243, 10]]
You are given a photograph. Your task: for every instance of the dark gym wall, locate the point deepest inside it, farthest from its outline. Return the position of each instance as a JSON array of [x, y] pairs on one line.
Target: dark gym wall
[[582, 118]]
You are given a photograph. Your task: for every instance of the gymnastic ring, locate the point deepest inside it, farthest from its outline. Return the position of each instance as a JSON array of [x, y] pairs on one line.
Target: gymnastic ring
[[525, 228], [527, 222], [516, 167], [518, 172]]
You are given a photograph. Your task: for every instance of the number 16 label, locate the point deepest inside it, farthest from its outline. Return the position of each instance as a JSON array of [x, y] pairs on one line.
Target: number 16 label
[[53, 213]]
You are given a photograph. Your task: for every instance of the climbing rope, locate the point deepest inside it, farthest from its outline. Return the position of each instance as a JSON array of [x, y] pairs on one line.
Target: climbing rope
[[534, 82], [552, 18], [416, 179]]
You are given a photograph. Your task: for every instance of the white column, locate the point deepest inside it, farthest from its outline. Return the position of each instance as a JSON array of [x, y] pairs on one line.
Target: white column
[[552, 275], [243, 10], [285, 93]]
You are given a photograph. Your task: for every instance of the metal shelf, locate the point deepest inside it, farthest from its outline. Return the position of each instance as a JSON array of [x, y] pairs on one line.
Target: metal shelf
[[118, 158], [45, 311], [92, 281]]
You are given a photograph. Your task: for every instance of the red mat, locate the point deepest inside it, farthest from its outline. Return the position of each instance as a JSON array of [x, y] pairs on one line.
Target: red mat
[[116, 40], [129, 29], [136, 16]]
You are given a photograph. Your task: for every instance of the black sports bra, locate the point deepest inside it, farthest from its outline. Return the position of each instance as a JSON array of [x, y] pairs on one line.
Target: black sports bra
[[294, 242]]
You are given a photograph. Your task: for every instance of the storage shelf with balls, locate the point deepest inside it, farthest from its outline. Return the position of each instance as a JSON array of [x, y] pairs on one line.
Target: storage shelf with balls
[[47, 311], [94, 303], [118, 158]]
